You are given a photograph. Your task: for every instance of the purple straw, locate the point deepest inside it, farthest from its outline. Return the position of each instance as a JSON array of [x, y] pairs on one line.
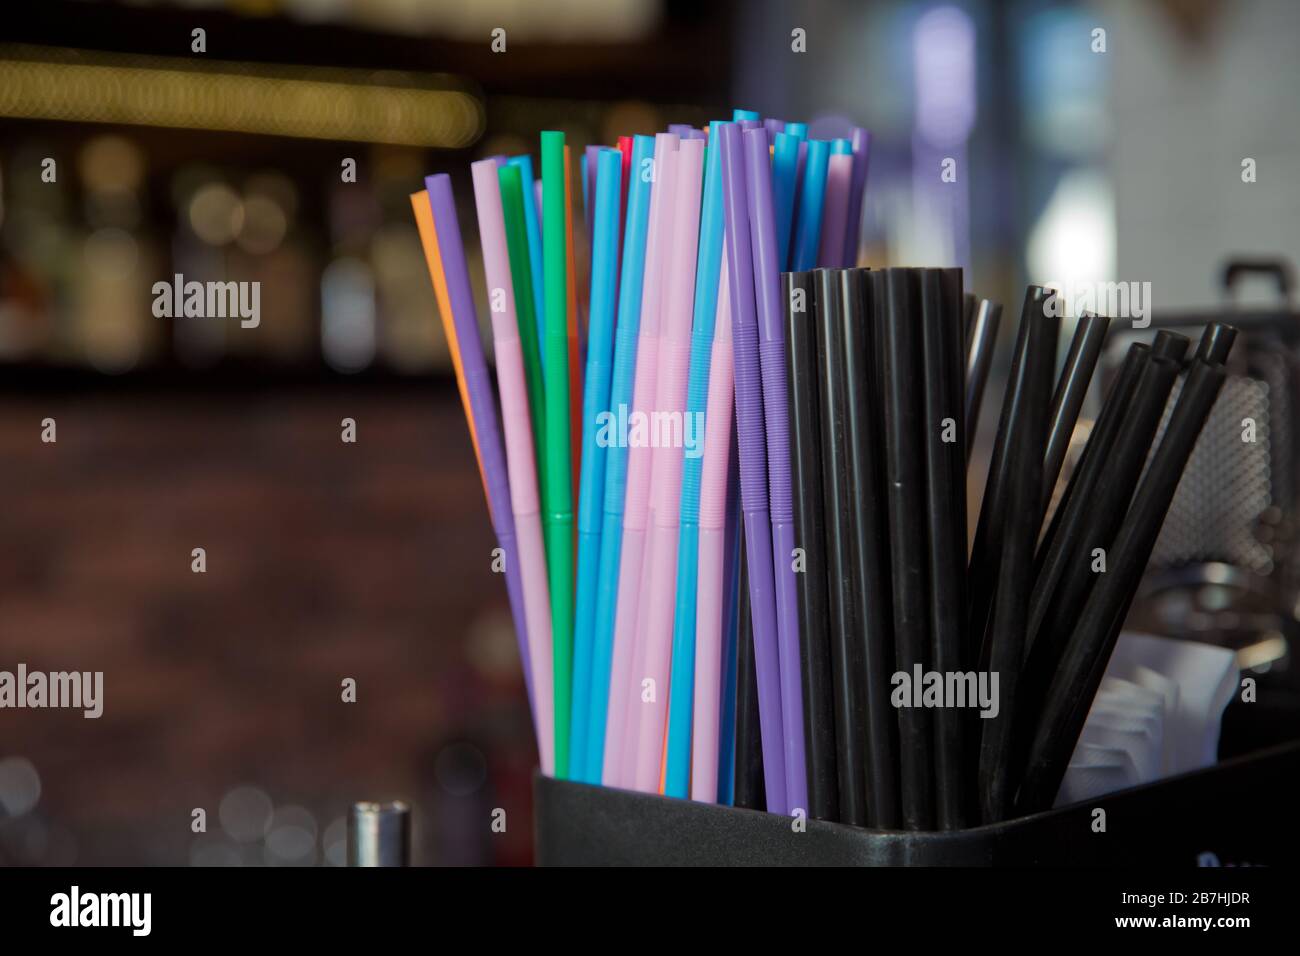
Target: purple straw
[[753, 469], [482, 405], [771, 350], [774, 126], [861, 139], [591, 156]]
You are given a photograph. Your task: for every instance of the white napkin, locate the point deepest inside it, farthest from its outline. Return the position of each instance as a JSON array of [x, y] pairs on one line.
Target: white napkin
[[1157, 713]]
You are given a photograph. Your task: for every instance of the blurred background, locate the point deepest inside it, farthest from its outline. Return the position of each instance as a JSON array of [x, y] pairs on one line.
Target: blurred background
[[1081, 156]]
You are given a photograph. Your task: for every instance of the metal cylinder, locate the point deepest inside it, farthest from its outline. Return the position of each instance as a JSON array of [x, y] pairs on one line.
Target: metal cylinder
[[379, 834]]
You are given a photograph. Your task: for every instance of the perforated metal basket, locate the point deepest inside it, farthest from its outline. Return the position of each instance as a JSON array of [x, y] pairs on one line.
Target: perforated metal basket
[[1227, 567]]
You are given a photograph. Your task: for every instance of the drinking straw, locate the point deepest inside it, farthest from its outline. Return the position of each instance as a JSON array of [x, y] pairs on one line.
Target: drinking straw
[[767, 296], [1064, 535], [970, 302], [682, 130], [590, 174], [1216, 343], [946, 537], [951, 283], [433, 259], [620, 395], [626, 145], [865, 512], [655, 634], [839, 180], [848, 617], [738, 114], [512, 206], [1170, 345], [808, 231], [519, 451], [861, 140], [533, 224], [595, 406], [714, 543], [1093, 522], [785, 161], [1028, 432], [586, 187], [678, 752], [558, 506], [1084, 662], [773, 126], [1071, 389], [798, 196], [478, 387], [979, 359], [987, 546], [753, 469], [751, 782], [810, 533], [577, 345], [903, 410], [731, 623], [537, 197], [624, 685]]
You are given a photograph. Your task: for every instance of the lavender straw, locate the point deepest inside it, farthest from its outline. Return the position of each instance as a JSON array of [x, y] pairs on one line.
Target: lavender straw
[[479, 386], [776, 412], [861, 140], [590, 171], [753, 469]]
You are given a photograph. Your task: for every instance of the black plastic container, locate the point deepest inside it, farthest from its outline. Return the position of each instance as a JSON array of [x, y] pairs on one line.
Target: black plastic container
[[1241, 812]]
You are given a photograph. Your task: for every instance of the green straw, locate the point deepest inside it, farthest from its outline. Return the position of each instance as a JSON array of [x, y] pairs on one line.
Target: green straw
[[512, 204], [557, 506]]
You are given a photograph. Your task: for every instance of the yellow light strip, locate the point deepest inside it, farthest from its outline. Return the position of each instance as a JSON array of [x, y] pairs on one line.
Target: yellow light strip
[[311, 103]]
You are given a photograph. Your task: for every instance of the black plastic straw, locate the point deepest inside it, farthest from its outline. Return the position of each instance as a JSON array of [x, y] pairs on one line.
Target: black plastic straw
[[847, 663], [750, 792], [1084, 662], [810, 535], [870, 589], [1096, 449], [979, 359], [969, 304], [954, 358], [987, 547], [905, 467], [1006, 636], [1067, 574], [1071, 389], [946, 539], [1172, 345], [1216, 343], [1071, 570]]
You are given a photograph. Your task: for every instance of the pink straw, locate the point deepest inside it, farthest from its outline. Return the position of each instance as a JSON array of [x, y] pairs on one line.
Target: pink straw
[[835, 211], [519, 449], [624, 688], [655, 635], [712, 595]]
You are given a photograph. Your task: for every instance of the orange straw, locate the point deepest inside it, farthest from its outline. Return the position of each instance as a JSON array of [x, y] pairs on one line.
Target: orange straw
[[433, 258]]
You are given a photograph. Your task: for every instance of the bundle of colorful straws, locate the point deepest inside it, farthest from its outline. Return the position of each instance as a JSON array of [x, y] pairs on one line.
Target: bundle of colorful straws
[[736, 371], [627, 624]]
